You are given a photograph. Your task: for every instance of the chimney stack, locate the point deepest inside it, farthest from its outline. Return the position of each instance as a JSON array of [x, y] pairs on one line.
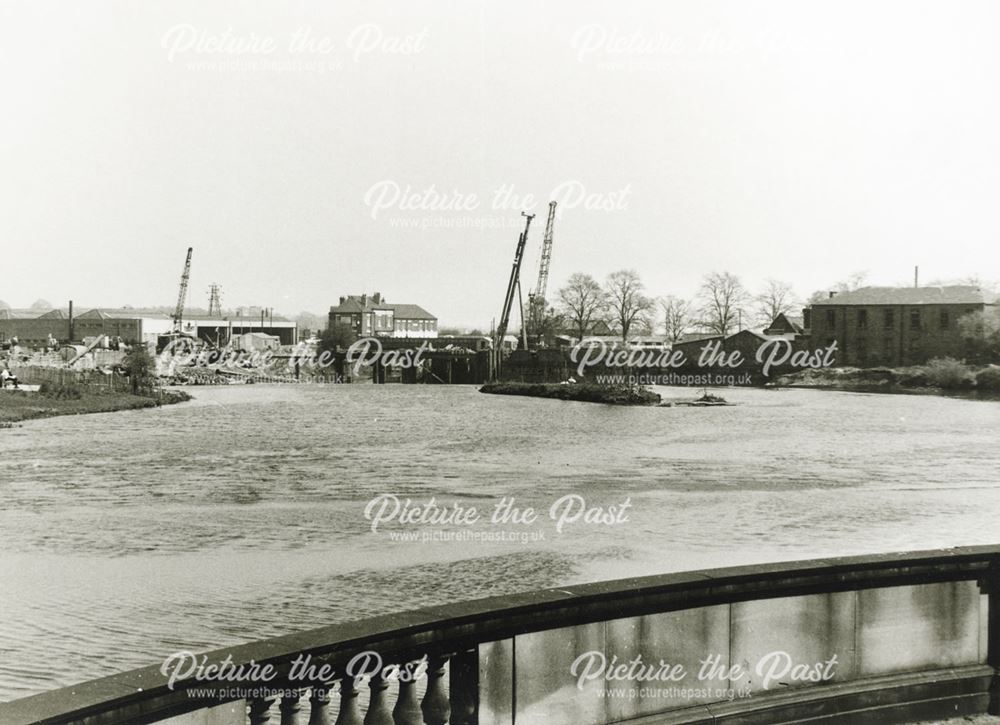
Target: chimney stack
[[916, 276], [377, 298], [70, 321], [833, 293]]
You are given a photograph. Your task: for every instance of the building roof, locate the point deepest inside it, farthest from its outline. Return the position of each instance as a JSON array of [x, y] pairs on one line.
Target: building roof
[[698, 337], [407, 312], [785, 321], [950, 295], [120, 314], [9, 314], [353, 304], [235, 319], [350, 305]]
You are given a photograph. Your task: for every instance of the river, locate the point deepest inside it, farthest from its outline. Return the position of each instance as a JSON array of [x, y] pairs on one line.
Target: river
[[240, 515]]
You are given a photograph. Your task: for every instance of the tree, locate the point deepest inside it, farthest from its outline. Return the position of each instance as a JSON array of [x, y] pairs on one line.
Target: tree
[[547, 326], [141, 369], [723, 301], [582, 301], [676, 318], [981, 330], [309, 322], [855, 281], [626, 302], [777, 298], [338, 337], [973, 280]]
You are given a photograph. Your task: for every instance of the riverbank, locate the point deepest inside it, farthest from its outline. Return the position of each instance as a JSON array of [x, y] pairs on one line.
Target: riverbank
[[582, 392], [17, 405], [939, 377]]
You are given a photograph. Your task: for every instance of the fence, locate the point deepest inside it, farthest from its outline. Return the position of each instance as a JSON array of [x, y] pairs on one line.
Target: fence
[[62, 376]]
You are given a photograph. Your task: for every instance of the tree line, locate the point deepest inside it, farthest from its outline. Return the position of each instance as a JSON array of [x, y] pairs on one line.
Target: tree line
[[722, 306]]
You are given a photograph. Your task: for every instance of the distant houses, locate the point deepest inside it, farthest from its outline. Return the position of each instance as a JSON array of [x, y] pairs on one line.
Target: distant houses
[[372, 316]]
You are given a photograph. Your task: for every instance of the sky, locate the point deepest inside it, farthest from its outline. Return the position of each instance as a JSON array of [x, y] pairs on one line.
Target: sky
[[308, 150]]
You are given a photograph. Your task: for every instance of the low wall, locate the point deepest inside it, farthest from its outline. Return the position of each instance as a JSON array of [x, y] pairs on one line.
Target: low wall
[[876, 639]]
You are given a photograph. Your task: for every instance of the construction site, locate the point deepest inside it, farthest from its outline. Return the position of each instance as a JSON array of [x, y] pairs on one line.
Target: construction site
[[253, 344]]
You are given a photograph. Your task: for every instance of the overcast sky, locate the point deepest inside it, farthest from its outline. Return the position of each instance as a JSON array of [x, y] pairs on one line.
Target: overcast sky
[[802, 141]]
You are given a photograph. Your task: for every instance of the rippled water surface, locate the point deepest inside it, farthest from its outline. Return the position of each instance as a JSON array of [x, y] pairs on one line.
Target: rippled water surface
[[240, 515]]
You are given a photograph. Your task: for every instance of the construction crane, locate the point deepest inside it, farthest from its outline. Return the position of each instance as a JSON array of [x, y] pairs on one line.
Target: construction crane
[[536, 299], [182, 295], [513, 287]]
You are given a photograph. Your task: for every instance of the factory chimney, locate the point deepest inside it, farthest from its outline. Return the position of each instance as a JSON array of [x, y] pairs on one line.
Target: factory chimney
[[916, 276], [70, 321]]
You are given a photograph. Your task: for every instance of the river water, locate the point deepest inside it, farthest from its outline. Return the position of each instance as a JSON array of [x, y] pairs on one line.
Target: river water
[[127, 536]]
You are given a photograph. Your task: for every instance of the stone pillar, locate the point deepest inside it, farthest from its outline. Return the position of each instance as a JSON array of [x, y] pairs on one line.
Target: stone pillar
[[990, 586], [463, 686]]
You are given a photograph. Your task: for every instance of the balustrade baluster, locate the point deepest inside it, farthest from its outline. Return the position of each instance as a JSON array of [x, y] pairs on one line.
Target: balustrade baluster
[[463, 687], [319, 705], [290, 708], [350, 713], [378, 707], [260, 711], [407, 710], [435, 706]]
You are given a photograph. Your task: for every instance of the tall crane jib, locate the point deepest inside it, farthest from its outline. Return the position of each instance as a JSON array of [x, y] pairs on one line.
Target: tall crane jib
[[182, 294], [512, 286], [536, 302]]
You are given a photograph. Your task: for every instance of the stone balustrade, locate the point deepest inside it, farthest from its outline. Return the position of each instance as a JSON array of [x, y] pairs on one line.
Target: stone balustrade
[[874, 639]]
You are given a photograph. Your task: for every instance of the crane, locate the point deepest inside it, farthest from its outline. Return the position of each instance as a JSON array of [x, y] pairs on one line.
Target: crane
[[182, 294], [536, 299], [513, 287]]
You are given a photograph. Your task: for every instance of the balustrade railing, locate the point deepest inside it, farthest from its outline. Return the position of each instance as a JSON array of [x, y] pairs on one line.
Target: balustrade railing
[[916, 635]]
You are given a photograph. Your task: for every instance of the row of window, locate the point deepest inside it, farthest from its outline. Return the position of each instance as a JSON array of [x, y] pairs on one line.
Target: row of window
[[385, 323], [889, 319]]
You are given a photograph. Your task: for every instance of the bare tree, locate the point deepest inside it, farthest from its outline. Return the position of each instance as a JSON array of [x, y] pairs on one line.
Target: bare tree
[[973, 280], [626, 302], [582, 301], [777, 298], [723, 301], [676, 317], [850, 284]]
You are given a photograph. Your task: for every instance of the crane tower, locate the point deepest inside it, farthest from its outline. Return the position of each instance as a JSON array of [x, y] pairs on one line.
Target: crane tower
[[182, 294], [536, 300]]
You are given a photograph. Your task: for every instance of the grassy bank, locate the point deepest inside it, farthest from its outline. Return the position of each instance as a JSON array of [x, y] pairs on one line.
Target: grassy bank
[[939, 375], [584, 392], [17, 406]]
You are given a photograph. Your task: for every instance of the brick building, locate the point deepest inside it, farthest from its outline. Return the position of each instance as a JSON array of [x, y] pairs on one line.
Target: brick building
[[372, 316], [894, 326], [32, 327]]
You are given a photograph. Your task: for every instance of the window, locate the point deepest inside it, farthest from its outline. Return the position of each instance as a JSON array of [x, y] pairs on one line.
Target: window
[[384, 320], [862, 319], [945, 319], [914, 319], [831, 318], [890, 319]]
